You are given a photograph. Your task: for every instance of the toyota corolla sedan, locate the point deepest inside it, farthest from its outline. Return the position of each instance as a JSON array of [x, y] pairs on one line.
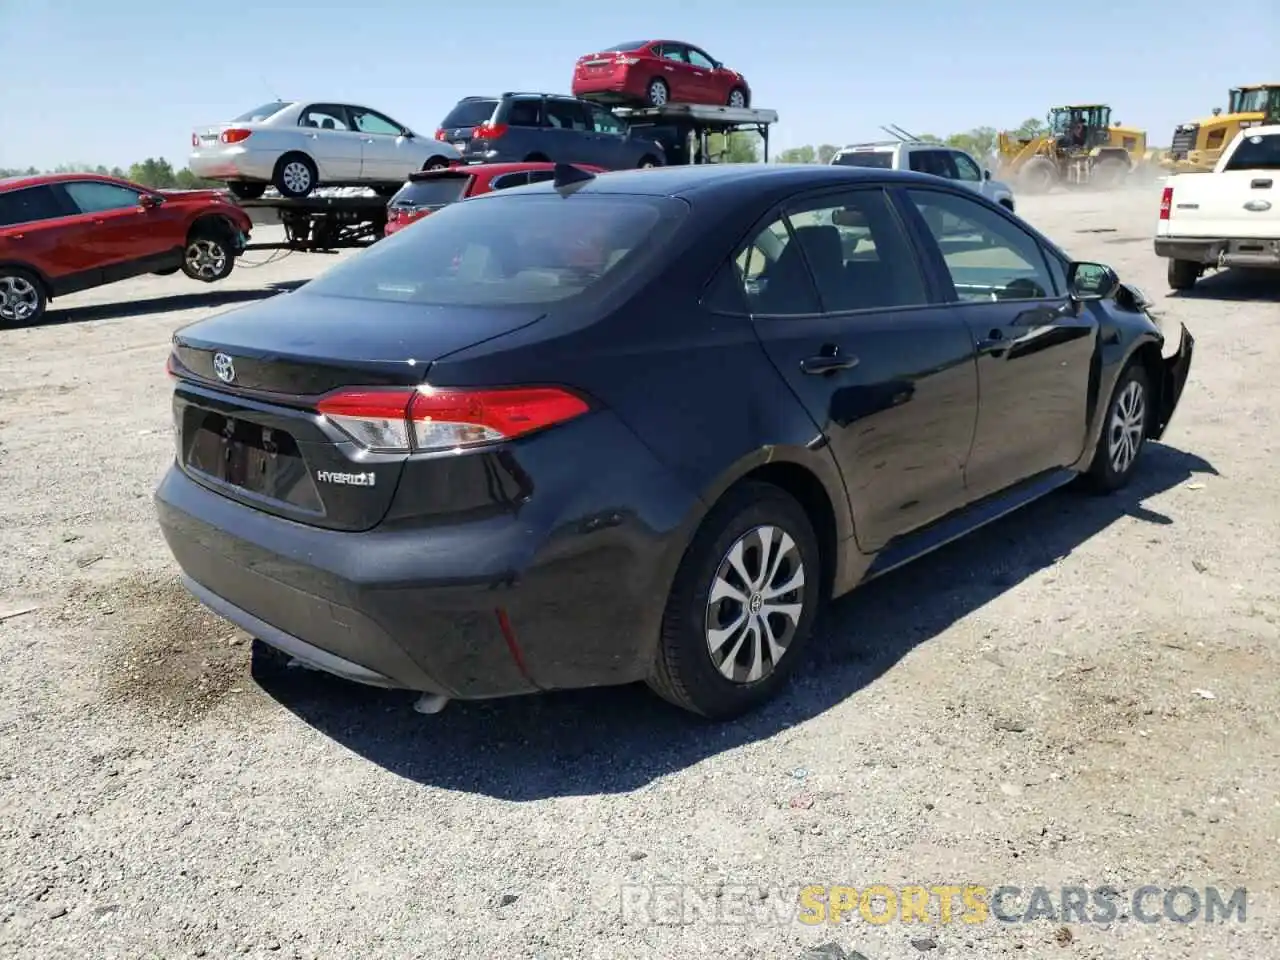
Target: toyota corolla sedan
[[299, 145], [638, 427]]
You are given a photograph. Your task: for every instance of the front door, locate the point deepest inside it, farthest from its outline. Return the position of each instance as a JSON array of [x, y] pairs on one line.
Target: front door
[[1035, 351], [706, 83], [611, 138], [329, 140], [888, 377], [386, 154], [124, 239]]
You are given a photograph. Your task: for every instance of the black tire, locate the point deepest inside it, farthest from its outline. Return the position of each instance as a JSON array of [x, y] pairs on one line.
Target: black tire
[[1109, 174], [737, 93], [1007, 204], [166, 272], [657, 93], [1107, 473], [289, 176], [208, 255], [266, 663], [1183, 274], [645, 162], [23, 298], [246, 191], [1038, 176], [683, 670], [436, 163]]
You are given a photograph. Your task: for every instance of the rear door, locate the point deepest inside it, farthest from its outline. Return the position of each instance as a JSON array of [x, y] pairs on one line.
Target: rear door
[[41, 228], [337, 149], [678, 73], [569, 134], [123, 239], [1035, 354], [844, 310]]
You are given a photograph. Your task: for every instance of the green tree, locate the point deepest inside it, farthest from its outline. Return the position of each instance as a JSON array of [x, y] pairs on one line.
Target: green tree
[[1030, 128], [826, 152], [805, 154]]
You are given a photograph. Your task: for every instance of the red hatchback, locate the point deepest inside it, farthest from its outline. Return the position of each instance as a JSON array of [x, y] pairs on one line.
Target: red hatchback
[[62, 233], [428, 190], [658, 72]]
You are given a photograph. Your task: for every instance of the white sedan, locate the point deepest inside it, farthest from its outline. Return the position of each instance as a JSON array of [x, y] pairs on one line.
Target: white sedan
[[298, 145]]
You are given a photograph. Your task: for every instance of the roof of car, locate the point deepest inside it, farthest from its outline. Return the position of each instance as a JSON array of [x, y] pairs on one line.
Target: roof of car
[[36, 179]]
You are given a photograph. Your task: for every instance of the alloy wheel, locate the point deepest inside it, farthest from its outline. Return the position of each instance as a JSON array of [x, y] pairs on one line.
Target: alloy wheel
[[658, 93], [1126, 427], [755, 604], [296, 176], [206, 258], [737, 99], [19, 299]]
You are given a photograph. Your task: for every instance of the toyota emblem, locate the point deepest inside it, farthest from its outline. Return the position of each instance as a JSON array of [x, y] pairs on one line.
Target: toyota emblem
[[223, 367]]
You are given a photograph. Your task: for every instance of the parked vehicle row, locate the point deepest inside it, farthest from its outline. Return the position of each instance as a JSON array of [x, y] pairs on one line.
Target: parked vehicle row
[[62, 233], [641, 429]]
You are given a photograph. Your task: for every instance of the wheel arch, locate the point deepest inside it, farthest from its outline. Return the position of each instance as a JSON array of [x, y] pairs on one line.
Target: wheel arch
[[1142, 346], [45, 283], [217, 220]]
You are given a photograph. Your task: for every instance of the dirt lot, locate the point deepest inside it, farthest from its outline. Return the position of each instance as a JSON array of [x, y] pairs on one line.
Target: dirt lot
[[1084, 693]]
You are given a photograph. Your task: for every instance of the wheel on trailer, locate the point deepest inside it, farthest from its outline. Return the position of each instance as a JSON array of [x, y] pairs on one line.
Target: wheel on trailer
[[295, 176], [657, 94], [243, 190], [741, 606], [22, 297], [1038, 176], [1109, 174], [208, 256], [1183, 274], [436, 163], [383, 190], [738, 98], [1125, 426]]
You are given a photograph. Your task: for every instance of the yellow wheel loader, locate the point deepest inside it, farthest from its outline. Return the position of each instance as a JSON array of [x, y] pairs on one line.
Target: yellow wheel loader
[[1197, 145], [1082, 148]]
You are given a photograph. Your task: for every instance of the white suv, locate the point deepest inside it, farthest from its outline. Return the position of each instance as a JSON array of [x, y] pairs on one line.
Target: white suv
[[934, 158]]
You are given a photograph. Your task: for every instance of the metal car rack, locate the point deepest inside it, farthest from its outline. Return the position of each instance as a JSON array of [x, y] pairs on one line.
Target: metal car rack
[[682, 127], [324, 224]]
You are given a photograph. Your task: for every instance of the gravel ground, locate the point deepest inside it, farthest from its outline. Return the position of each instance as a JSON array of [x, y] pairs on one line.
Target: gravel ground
[[1083, 693]]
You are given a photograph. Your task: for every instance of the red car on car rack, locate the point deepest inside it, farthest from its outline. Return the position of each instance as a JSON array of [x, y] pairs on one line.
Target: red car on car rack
[[429, 190], [62, 233], [658, 72]]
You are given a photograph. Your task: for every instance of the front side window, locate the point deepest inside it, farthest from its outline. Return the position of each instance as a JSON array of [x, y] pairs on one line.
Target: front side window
[[29, 205], [367, 121], [966, 169], [509, 249], [602, 121], [92, 196], [988, 257], [699, 59]]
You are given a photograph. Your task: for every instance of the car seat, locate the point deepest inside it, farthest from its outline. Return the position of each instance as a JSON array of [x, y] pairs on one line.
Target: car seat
[[328, 124]]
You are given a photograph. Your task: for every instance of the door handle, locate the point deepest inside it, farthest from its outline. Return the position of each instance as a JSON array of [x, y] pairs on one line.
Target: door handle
[[994, 344], [366, 139], [99, 222], [831, 360]]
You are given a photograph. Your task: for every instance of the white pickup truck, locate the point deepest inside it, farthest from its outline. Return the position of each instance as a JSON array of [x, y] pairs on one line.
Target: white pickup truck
[[925, 157], [1227, 218]]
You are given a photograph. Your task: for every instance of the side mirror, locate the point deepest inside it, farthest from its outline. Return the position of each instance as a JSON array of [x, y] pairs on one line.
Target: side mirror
[[1091, 281], [986, 174], [407, 134], [149, 201]]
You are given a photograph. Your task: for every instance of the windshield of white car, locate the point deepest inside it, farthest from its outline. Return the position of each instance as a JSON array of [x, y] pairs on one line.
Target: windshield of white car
[[510, 250], [1258, 152], [264, 112], [878, 159]]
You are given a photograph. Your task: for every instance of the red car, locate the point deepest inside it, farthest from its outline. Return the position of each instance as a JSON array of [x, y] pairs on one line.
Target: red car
[[428, 190], [62, 233], [658, 72]]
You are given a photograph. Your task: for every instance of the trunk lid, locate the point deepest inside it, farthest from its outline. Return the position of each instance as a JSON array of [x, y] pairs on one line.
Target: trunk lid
[[248, 380]]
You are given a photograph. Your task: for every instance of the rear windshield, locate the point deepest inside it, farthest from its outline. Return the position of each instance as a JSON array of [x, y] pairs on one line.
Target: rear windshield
[[1259, 152], [470, 113], [510, 249], [625, 47], [258, 114], [445, 188], [879, 159]]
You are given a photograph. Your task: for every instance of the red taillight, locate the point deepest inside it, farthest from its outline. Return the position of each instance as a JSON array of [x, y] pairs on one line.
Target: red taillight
[[430, 419], [235, 135], [195, 140], [1166, 203], [440, 133], [489, 131]]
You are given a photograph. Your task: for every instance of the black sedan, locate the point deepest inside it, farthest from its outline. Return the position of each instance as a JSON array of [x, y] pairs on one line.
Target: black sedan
[[638, 427]]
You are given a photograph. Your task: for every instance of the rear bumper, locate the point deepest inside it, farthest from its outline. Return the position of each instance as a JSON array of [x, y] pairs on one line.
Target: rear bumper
[[1220, 251], [566, 594], [233, 163]]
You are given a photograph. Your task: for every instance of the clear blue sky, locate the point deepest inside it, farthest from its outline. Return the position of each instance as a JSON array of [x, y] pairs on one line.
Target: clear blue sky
[[116, 82]]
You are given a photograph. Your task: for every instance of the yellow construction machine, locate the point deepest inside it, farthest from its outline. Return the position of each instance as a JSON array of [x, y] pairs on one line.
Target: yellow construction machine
[[1082, 148], [1197, 145]]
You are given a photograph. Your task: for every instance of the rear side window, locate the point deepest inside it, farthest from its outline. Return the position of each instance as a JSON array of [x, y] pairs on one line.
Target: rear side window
[[431, 190], [567, 115], [29, 205], [511, 249], [523, 113], [1259, 152], [470, 113], [258, 114], [878, 160]]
